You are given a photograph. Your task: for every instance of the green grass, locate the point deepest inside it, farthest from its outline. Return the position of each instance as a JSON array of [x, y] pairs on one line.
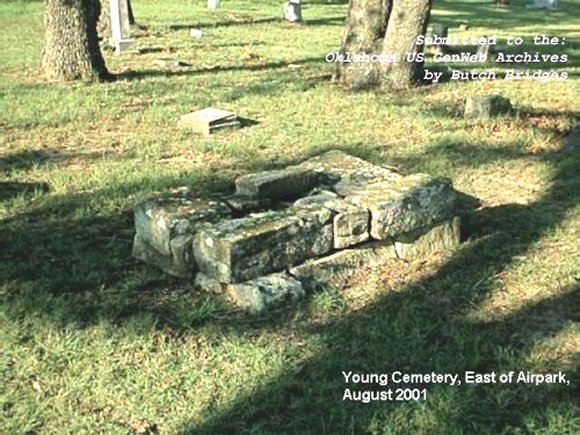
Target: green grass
[[92, 341]]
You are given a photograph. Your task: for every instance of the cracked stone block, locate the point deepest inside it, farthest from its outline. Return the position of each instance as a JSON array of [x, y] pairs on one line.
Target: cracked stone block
[[179, 262], [337, 167], [412, 202], [165, 224], [260, 294], [241, 249], [485, 106], [335, 269], [245, 204], [350, 223], [208, 284], [277, 184], [440, 238]]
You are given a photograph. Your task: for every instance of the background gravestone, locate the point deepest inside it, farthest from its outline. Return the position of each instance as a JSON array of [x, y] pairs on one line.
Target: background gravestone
[[293, 11], [120, 27]]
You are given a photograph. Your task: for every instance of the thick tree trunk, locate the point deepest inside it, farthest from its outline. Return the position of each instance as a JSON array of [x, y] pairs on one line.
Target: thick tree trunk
[[364, 29], [71, 47], [387, 29], [408, 20], [104, 22]]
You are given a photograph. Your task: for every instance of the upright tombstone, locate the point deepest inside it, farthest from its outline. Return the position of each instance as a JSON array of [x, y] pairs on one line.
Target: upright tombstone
[[213, 4], [293, 11], [120, 28]]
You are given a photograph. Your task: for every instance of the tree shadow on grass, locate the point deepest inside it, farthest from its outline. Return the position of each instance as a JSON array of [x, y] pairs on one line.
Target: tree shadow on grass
[[326, 21], [24, 160], [11, 189], [486, 14], [433, 324], [140, 74], [208, 25], [78, 270]]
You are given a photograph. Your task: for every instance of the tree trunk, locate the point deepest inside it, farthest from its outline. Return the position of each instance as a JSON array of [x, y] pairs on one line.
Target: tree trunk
[[104, 22], [408, 20], [387, 29], [365, 27], [71, 47]]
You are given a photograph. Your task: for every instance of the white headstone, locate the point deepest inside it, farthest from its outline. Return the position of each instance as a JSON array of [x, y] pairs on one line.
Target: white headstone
[[213, 4], [120, 27], [195, 33], [293, 11]]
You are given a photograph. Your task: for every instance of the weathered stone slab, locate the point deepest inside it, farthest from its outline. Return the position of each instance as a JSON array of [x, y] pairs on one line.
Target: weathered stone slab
[[165, 226], [246, 204], [334, 269], [418, 244], [242, 249], [405, 205], [350, 223], [277, 184], [209, 120], [336, 166], [160, 218], [208, 284], [179, 262], [485, 106], [265, 292]]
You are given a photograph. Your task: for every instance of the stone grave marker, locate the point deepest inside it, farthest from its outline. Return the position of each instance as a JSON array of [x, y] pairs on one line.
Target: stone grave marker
[[195, 33], [207, 121], [213, 4], [120, 27], [347, 214], [486, 106], [543, 4], [293, 11]]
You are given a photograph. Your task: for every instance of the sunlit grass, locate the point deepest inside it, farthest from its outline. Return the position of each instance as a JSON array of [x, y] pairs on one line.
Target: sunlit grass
[[93, 341]]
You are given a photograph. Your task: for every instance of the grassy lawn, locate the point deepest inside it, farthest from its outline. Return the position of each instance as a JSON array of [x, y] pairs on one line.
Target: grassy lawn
[[92, 341]]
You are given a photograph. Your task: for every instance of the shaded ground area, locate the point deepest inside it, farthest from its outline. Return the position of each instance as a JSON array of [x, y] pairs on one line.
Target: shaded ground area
[[94, 341]]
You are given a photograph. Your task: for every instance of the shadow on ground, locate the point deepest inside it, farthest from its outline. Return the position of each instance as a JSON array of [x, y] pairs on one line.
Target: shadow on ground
[[144, 73], [430, 325], [79, 270]]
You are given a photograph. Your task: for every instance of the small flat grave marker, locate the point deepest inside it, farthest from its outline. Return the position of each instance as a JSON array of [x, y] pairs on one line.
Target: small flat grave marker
[[195, 33], [167, 62], [207, 121]]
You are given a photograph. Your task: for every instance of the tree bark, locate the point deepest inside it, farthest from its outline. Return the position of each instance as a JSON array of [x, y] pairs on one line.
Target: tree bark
[[71, 47], [386, 28], [408, 20], [104, 22], [365, 27]]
